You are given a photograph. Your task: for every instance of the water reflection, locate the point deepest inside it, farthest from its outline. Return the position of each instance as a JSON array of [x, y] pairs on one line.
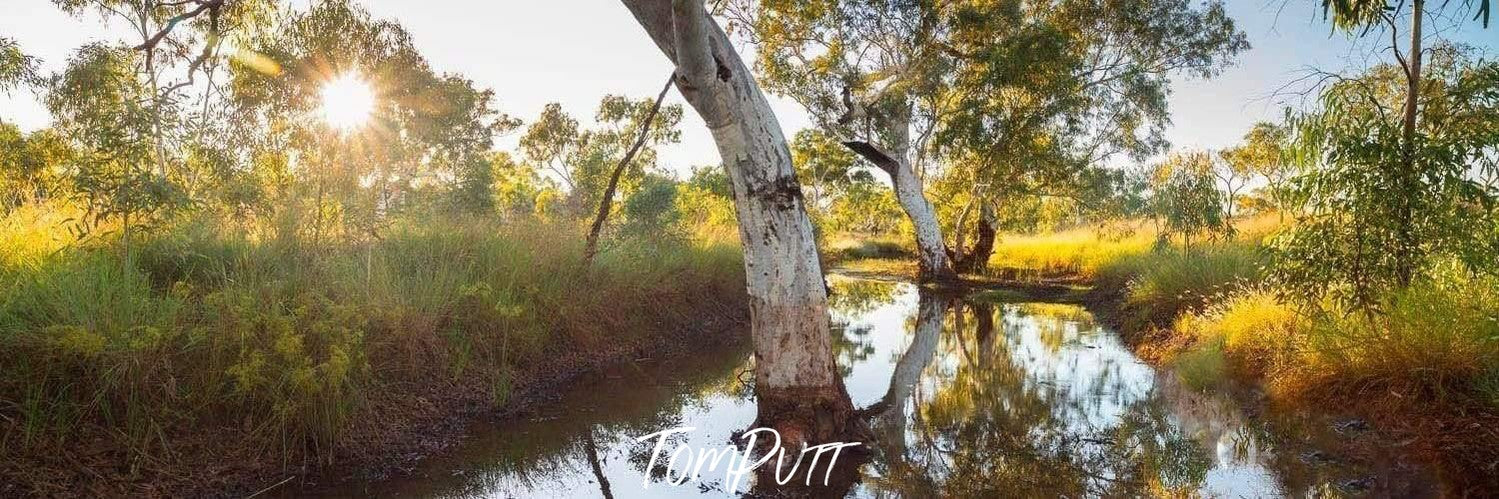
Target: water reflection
[[1018, 412], [966, 398]]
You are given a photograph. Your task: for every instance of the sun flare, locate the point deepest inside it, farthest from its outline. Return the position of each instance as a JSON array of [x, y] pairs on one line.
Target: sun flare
[[347, 102]]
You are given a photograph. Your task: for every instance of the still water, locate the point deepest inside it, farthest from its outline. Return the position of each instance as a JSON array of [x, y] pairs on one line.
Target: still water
[[980, 399]]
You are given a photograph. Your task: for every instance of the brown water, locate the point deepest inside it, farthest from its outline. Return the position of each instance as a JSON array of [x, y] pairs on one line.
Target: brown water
[[985, 400]]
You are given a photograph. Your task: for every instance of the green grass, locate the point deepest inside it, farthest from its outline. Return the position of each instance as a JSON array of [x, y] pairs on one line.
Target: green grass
[[1203, 368], [852, 249], [1159, 286], [287, 341]]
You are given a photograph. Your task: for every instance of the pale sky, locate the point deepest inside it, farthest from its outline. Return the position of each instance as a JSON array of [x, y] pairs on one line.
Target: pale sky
[[527, 53]]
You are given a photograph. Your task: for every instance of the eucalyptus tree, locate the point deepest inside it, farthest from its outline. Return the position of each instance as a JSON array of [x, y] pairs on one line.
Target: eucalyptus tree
[[16, 68], [110, 117], [1185, 197], [824, 167], [1375, 213], [1025, 93], [642, 133], [1233, 174], [183, 49], [585, 158], [797, 386], [1260, 154], [31, 165], [423, 126], [1051, 92], [860, 67], [1387, 155]]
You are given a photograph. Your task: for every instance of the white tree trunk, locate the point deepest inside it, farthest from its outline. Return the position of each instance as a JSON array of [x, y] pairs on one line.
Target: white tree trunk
[[930, 311], [889, 414], [929, 242], [896, 161], [797, 385]]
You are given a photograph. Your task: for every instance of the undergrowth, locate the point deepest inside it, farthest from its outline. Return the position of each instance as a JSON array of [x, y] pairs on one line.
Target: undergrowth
[[285, 340]]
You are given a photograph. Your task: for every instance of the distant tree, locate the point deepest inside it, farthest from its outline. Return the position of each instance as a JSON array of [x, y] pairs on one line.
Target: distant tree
[[426, 127], [824, 166], [641, 135], [517, 188], [16, 68], [30, 165], [1184, 196], [1010, 89], [651, 211], [1260, 154], [1233, 173], [583, 159], [180, 54]]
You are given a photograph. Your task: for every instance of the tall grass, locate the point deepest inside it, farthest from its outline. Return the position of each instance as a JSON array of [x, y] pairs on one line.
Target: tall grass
[[1433, 341], [1205, 310], [1081, 253], [1160, 285], [285, 342]]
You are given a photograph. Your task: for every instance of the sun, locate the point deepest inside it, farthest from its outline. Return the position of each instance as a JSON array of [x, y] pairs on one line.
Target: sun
[[347, 102]]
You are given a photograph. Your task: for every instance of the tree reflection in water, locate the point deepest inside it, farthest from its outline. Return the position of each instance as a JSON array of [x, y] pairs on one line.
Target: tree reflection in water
[[993, 418], [966, 398]]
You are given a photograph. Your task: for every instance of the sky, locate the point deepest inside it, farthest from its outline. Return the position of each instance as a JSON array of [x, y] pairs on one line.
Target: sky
[[576, 51]]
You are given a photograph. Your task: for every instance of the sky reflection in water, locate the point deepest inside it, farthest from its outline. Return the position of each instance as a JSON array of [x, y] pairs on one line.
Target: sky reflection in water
[[984, 399]]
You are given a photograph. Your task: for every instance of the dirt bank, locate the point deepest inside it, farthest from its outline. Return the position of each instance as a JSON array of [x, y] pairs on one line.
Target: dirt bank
[[412, 414]]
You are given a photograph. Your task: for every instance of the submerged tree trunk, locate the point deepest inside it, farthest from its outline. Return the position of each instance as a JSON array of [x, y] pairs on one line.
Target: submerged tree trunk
[[797, 386], [591, 246]]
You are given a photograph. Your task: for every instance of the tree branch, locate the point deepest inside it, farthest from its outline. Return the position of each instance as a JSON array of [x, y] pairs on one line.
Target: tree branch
[[874, 155], [606, 202]]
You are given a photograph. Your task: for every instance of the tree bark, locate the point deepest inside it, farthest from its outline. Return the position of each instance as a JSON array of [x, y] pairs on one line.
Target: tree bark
[[798, 390], [977, 259], [606, 202], [933, 263], [1406, 266]]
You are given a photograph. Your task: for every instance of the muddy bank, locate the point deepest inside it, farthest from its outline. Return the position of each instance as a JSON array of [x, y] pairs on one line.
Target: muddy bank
[[412, 413]]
